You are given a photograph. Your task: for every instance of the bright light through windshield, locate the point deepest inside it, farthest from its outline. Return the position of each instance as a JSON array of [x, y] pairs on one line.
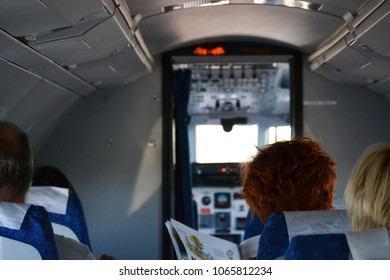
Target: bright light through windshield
[[213, 144]]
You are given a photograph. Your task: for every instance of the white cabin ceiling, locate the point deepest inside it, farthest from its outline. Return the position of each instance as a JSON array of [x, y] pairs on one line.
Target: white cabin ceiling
[[103, 43], [299, 28], [63, 50]]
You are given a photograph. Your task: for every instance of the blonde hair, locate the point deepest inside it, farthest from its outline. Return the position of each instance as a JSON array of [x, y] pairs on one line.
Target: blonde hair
[[367, 195]]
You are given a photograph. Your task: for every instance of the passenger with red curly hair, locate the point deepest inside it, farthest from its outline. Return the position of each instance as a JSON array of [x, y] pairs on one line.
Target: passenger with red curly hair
[[292, 175]]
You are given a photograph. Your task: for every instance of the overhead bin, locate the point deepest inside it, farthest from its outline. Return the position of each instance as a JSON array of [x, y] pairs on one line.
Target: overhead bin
[[28, 99], [32, 18], [92, 41], [79, 36], [41, 109], [101, 51], [360, 52], [12, 90], [120, 68], [17, 53]]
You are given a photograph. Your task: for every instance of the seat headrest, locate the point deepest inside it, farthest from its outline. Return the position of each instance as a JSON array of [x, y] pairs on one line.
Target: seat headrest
[[53, 199], [12, 214], [23, 226], [253, 227], [280, 228], [330, 246], [373, 244], [316, 222], [339, 202], [64, 210]]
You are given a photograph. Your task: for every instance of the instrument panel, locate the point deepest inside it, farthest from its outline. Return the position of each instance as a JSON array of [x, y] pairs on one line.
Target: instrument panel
[[221, 211]]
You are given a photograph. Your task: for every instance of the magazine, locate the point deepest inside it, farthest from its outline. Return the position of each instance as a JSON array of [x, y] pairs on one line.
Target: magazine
[[190, 244]]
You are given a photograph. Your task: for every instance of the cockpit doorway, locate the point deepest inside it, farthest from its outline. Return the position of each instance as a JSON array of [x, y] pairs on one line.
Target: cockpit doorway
[[235, 102]]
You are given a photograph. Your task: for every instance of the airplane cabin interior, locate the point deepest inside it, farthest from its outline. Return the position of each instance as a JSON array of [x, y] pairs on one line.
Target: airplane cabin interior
[[94, 85]]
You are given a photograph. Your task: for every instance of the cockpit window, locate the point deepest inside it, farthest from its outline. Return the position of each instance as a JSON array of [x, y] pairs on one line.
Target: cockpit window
[[213, 144], [279, 133]]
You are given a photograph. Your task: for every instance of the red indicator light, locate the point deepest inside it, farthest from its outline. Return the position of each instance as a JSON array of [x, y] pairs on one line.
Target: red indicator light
[[215, 51], [223, 169], [237, 196], [200, 51]]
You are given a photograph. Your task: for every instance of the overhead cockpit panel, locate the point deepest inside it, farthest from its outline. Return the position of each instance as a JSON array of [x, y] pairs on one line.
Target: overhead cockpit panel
[[239, 89]]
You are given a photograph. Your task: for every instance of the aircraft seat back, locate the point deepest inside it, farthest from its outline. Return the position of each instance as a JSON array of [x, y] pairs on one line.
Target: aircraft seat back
[[332, 246], [64, 209], [372, 244], [282, 227], [26, 233], [253, 227]]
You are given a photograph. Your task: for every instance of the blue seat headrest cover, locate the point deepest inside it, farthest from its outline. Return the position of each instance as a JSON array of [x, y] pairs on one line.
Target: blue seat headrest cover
[[318, 247], [35, 228], [283, 226], [253, 226]]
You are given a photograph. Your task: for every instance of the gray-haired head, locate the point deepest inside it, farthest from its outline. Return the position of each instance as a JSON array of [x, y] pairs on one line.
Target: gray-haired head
[[16, 164]]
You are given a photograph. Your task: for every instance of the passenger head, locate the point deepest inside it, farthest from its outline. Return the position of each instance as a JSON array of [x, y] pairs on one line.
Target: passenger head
[[292, 175], [16, 165], [367, 195], [51, 176]]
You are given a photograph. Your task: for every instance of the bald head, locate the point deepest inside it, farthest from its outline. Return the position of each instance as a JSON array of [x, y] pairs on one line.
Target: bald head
[[16, 165]]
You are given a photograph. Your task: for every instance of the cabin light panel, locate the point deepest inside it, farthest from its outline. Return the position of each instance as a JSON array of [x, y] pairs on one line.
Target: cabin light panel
[[305, 5], [195, 4]]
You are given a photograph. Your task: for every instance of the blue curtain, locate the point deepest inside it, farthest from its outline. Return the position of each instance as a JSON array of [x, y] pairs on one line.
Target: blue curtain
[[184, 211]]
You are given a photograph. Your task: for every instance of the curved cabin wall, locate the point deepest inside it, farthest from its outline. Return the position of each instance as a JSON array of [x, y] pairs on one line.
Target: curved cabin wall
[[345, 119], [110, 147]]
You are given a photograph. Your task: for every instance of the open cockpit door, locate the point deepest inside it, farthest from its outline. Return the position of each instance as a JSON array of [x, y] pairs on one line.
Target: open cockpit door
[[238, 96]]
